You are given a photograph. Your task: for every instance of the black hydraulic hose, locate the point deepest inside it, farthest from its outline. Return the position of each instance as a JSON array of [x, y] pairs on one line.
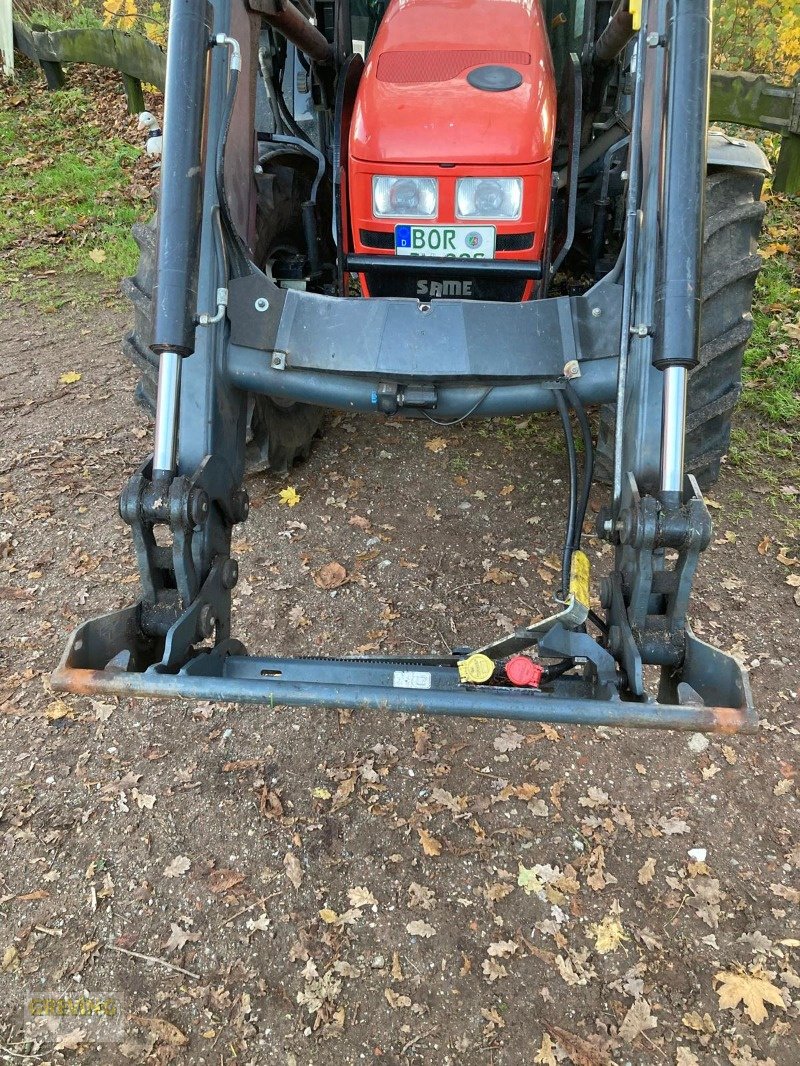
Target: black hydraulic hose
[[569, 441], [238, 257], [588, 462], [550, 673]]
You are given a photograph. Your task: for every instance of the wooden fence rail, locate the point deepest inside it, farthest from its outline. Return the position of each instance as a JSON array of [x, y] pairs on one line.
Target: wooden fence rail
[[136, 58], [743, 99]]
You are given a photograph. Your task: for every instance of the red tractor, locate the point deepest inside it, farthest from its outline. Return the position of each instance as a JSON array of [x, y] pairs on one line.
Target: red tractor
[[449, 209]]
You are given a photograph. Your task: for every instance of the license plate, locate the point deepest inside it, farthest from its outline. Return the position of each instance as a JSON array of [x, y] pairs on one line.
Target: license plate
[[445, 242]]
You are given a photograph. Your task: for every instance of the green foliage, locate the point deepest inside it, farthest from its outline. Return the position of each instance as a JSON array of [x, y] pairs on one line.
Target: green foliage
[[761, 36], [64, 188]]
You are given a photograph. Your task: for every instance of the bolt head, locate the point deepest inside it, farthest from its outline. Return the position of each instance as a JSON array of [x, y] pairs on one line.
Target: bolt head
[[597, 312], [241, 506], [206, 622], [572, 369], [653, 39], [262, 304], [198, 506], [230, 573]]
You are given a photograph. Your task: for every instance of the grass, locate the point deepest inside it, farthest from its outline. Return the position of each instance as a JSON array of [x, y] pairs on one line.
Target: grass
[[66, 189]]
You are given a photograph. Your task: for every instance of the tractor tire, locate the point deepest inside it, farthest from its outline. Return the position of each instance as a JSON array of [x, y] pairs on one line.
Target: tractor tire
[[279, 435], [734, 214]]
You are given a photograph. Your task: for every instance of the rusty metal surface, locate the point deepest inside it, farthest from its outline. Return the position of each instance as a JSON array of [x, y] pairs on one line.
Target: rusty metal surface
[[371, 684]]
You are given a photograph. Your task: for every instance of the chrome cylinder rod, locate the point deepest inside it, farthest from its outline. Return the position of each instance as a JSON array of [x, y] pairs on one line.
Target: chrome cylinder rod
[[673, 429], [166, 432]]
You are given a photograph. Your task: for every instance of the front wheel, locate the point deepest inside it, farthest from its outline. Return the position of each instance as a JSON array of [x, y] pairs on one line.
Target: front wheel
[[277, 436], [734, 214]]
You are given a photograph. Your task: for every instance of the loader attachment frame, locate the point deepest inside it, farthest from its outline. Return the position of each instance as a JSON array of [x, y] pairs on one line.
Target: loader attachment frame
[[223, 329]]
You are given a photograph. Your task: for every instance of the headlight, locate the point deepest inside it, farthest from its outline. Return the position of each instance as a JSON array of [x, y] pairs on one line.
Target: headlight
[[489, 198], [402, 197]]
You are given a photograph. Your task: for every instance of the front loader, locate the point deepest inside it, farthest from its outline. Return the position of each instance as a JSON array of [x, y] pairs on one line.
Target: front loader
[[441, 209]]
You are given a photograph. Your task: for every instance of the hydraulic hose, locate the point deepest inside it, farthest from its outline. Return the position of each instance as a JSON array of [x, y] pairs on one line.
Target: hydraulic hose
[[569, 441], [588, 462]]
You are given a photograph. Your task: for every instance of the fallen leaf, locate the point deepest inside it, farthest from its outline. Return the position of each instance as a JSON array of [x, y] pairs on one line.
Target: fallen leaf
[[296, 618], [10, 959], [647, 872], [224, 880], [72, 1040], [361, 897], [294, 871], [164, 1030], [395, 1000], [143, 801], [752, 989], [685, 1057], [545, 1053], [638, 1019], [97, 255], [179, 865], [608, 934], [289, 496], [420, 928], [493, 971], [437, 444], [328, 916], [502, 949], [420, 896], [178, 938], [581, 1052], [430, 845], [70, 377], [768, 250], [673, 826], [330, 576]]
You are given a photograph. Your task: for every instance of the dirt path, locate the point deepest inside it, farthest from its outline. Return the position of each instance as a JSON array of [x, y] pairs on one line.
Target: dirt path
[[339, 888]]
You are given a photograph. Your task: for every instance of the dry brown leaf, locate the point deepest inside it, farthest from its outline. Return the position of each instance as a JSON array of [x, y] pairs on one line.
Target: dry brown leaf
[[638, 1019], [753, 990], [224, 880], [647, 872], [493, 971], [436, 444], [164, 1030], [608, 934], [330, 576], [545, 1053], [420, 928], [361, 897], [294, 870], [179, 865], [72, 1040], [179, 938], [420, 896], [581, 1052], [395, 1000], [430, 845], [502, 949]]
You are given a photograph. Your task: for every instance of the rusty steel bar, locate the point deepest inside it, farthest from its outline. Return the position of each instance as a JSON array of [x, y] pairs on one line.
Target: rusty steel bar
[[479, 702]]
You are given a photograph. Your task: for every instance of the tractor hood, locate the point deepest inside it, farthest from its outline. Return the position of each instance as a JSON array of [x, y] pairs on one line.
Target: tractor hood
[[423, 97]]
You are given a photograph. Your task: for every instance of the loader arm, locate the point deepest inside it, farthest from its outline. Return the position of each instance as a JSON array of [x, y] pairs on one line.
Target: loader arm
[[224, 329]]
